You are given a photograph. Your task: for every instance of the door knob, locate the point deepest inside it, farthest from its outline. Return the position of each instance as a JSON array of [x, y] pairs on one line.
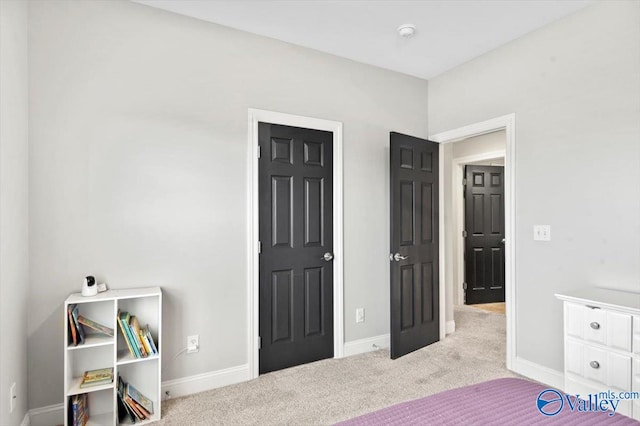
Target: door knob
[[397, 257], [327, 257], [503, 240]]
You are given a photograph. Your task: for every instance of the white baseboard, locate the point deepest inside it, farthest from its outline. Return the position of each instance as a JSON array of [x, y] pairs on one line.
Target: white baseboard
[[366, 345], [26, 420], [539, 373], [54, 414], [206, 381], [450, 327], [46, 416]]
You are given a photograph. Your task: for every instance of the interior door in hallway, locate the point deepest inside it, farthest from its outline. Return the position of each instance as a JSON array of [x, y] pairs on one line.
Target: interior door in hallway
[[296, 239], [484, 230], [414, 244]]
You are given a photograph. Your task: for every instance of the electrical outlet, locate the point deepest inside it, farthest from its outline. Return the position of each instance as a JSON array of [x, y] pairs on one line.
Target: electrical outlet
[[360, 315], [193, 344], [542, 232], [14, 396]]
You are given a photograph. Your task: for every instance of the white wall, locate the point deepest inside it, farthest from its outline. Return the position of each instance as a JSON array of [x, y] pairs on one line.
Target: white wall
[[14, 212], [139, 162], [483, 144], [490, 142], [575, 88]]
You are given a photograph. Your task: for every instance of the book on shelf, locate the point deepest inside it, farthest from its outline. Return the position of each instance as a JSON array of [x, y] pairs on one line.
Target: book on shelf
[[123, 408], [73, 333], [139, 398], [131, 403], [97, 377], [74, 314], [78, 410], [133, 346], [123, 329], [95, 326], [77, 333], [152, 343], [139, 340], [135, 329]]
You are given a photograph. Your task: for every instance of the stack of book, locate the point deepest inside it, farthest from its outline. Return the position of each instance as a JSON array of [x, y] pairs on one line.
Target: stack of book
[[138, 339], [77, 333], [78, 410], [98, 377], [132, 403]]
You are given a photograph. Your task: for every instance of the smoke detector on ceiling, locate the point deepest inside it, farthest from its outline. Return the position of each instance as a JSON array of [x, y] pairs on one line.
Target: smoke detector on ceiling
[[407, 30]]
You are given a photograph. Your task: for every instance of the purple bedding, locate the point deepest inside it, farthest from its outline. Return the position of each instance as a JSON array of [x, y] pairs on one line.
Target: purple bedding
[[507, 401]]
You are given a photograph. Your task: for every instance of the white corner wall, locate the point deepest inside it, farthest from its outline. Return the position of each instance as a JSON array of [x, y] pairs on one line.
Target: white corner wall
[[14, 213], [139, 162], [575, 88]]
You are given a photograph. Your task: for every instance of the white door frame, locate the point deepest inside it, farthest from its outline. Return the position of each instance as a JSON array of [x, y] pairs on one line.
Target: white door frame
[[457, 206], [507, 123], [253, 277]]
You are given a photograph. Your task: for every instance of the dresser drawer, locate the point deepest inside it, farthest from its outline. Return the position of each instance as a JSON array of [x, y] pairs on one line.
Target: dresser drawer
[[600, 326], [598, 366]]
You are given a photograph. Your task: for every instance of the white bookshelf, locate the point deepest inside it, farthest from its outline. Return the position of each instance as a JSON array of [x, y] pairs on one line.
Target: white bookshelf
[[102, 351]]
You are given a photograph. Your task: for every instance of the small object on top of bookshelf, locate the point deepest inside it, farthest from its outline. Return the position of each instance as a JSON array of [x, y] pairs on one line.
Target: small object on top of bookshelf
[[97, 377], [89, 286], [78, 410], [132, 403], [139, 340], [95, 326]]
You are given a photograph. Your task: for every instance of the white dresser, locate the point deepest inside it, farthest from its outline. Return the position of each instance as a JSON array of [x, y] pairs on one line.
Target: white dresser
[[602, 344]]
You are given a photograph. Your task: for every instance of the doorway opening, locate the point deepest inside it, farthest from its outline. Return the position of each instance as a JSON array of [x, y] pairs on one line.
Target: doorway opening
[[452, 270], [475, 230]]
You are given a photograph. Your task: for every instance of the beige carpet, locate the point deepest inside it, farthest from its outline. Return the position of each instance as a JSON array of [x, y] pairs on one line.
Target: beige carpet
[[328, 391]]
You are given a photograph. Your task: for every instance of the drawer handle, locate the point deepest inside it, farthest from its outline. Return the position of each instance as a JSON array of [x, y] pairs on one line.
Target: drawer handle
[[595, 325], [594, 364]]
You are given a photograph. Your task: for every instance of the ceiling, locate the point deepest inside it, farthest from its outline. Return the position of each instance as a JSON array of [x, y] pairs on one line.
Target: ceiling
[[448, 33]]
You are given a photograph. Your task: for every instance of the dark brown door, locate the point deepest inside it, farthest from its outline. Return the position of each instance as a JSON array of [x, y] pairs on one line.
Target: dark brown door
[[296, 236], [484, 230], [414, 244]]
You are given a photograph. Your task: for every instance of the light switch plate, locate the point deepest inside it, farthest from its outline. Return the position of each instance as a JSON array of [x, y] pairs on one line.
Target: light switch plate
[[542, 232]]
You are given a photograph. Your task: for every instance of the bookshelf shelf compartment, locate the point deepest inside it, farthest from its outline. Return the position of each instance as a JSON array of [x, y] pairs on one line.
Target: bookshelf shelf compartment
[[100, 419], [140, 422], [102, 351], [75, 389], [93, 340], [124, 357]]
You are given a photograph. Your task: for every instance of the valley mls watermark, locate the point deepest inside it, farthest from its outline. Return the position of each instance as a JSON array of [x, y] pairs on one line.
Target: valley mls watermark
[[550, 402]]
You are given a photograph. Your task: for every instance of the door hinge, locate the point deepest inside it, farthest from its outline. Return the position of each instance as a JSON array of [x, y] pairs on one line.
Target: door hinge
[[259, 151], [464, 286], [464, 234], [259, 247], [259, 342], [464, 181]]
